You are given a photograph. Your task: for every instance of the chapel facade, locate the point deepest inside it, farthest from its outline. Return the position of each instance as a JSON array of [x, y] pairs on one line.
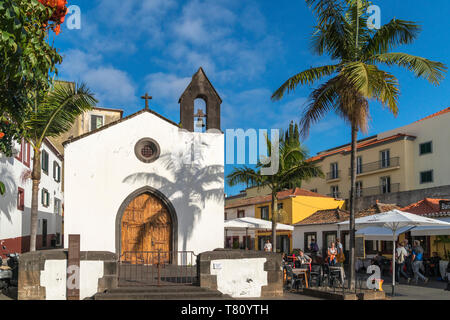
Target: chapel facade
[[145, 183]]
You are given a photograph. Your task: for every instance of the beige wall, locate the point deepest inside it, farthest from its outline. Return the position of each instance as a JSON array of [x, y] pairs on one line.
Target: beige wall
[[82, 125], [437, 130], [400, 174]]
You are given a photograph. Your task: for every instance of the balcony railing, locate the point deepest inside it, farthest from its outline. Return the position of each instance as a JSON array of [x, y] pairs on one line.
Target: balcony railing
[[333, 175], [336, 195], [374, 191], [378, 165]]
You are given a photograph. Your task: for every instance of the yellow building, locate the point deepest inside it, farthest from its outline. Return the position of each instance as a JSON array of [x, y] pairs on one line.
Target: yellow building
[[294, 206]]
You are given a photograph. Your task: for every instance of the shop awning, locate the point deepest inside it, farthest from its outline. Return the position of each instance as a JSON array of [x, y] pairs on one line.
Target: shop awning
[[432, 231], [383, 234]]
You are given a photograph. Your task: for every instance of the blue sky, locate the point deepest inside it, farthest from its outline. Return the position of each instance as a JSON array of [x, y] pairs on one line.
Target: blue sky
[[247, 48]]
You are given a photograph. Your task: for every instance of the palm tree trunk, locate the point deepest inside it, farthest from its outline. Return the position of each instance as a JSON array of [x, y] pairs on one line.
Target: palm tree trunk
[[274, 221], [352, 206], [36, 178]]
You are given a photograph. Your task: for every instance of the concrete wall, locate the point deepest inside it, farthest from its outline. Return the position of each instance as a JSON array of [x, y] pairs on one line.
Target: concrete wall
[[15, 223], [101, 171], [241, 273], [42, 274], [405, 198]]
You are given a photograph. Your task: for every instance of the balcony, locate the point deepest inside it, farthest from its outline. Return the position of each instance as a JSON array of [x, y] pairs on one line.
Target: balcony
[[333, 175], [372, 167], [336, 195], [374, 191]]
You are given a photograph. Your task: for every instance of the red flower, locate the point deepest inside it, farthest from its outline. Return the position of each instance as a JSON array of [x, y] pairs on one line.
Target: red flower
[[1, 135]]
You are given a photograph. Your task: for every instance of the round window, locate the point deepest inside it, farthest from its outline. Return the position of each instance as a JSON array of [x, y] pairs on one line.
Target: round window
[[147, 150]]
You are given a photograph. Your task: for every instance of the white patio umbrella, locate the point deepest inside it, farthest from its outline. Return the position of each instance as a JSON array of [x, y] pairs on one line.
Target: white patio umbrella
[[254, 224], [394, 220]]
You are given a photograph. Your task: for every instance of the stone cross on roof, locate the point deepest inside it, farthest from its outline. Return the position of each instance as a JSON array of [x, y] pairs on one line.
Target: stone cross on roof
[[146, 98]]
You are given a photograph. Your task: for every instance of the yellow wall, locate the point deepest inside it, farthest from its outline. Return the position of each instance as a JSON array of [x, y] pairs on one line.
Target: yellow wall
[[298, 208]]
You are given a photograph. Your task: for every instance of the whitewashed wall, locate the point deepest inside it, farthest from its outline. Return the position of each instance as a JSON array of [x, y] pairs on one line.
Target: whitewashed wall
[[232, 214], [15, 223], [298, 235], [240, 278], [101, 171], [54, 275]]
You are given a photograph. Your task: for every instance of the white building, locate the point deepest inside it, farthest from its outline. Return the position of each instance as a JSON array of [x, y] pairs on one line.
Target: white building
[[236, 238], [145, 183], [15, 205]]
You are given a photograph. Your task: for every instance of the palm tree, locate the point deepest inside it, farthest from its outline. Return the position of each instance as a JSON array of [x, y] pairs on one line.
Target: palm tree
[[342, 33], [292, 170], [54, 115]]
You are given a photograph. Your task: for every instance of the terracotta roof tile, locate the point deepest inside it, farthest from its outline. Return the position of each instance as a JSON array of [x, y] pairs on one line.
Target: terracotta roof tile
[[331, 216], [427, 207], [446, 110], [281, 195], [363, 144]]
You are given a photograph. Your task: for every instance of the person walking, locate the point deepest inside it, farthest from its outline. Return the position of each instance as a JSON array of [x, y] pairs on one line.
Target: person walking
[[417, 262], [313, 247], [408, 258], [400, 258]]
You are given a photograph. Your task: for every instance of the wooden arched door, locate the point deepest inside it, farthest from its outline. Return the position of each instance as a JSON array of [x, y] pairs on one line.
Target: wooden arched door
[[146, 232]]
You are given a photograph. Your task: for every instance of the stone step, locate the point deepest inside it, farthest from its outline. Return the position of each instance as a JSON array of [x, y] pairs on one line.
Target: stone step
[[187, 288], [155, 295]]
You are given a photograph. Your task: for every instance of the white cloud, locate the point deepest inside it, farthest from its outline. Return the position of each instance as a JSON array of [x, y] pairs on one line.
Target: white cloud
[[110, 85]]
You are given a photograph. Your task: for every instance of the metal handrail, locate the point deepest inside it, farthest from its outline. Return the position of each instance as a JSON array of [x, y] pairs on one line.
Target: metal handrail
[[333, 175], [377, 165]]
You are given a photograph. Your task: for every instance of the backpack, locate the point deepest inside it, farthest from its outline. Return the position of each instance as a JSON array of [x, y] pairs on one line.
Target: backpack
[[401, 258]]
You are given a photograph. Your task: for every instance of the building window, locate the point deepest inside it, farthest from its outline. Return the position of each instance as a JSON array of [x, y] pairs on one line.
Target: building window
[[309, 236], [359, 165], [265, 213], [334, 170], [45, 198], [147, 150], [57, 209], [314, 190], [241, 214], [21, 199], [226, 216], [24, 153], [426, 148], [385, 158], [56, 172], [280, 206], [385, 185], [426, 176], [371, 246], [44, 156], [96, 122], [359, 186], [335, 191]]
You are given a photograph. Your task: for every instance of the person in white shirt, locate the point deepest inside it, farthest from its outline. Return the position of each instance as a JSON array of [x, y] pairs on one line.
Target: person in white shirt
[[400, 258], [268, 246]]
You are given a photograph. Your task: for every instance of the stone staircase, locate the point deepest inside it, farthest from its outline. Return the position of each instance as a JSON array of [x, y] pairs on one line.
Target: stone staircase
[[186, 292]]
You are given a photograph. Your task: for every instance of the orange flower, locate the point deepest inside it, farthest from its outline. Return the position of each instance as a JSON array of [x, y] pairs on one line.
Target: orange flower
[[1, 135]]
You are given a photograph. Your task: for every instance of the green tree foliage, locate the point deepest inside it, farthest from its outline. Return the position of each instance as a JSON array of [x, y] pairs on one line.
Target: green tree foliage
[[27, 63], [292, 170]]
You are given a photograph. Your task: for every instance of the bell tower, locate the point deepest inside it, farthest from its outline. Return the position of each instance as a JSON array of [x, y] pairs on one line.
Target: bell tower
[[200, 88]]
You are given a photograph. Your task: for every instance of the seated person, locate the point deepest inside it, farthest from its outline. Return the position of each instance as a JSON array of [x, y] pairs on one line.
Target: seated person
[[332, 253], [304, 260]]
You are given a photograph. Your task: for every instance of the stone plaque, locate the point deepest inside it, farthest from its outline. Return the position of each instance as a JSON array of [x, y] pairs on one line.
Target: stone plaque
[[73, 268]]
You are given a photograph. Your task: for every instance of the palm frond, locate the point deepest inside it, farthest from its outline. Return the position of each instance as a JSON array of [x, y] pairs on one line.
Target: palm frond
[[305, 77], [245, 175], [390, 35], [321, 101], [57, 113], [433, 71]]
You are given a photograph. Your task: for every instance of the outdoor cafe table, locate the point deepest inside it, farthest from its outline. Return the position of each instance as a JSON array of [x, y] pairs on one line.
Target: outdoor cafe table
[[341, 271], [300, 272]]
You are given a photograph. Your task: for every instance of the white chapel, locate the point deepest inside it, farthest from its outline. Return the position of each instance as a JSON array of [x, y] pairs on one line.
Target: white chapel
[[145, 183]]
